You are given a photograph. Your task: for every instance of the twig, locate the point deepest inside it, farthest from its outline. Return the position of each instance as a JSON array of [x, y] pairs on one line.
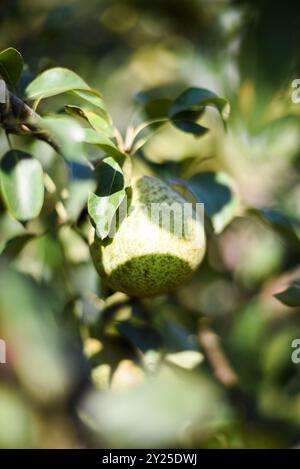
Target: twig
[[17, 117], [215, 355]]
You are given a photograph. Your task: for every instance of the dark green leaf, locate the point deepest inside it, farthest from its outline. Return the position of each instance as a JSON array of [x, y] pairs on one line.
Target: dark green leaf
[[15, 245], [182, 187], [168, 92], [157, 108], [197, 98], [193, 101], [142, 336], [215, 191], [285, 225], [190, 127], [22, 184], [290, 296], [103, 205], [11, 66]]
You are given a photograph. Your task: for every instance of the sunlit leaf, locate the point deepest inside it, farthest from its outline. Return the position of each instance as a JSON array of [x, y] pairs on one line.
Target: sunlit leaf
[[56, 81], [92, 96], [22, 184], [97, 122], [103, 142], [70, 136], [187, 359]]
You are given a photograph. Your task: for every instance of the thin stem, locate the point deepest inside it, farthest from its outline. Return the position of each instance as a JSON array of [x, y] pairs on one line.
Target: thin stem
[[8, 140], [216, 357], [142, 142], [144, 125]]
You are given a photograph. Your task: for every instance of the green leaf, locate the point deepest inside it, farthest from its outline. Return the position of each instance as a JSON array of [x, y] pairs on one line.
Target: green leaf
[[103, 142], [11, 66], [22, 184], [103, 205], [56, 81], [286, 226], [190, 127], [81, 183], [97, 122], [197, 98], [215, 190], [15, 245], [93, 97], [9, 229], [182, 187], [70, 136], [142, 336], [290, 296], [190, 104], [158, 108], [187, 359]]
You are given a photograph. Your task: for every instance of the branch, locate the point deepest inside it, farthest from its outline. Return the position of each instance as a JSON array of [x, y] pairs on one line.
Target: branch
[[16, 117], [215, 355]]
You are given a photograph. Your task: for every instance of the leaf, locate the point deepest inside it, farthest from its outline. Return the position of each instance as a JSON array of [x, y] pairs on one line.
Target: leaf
[[290, 296], [153, 413], [9, 228], [103, 142], [56, 81], [194, 101], [94, 97], [195, 98], [141, 336], [190, 127], [11, 66], [187, 359], [81, 184], [285, 225], [182, 188], [215, 190], [103, 205], [168, 91], [97, 122], [22, 184], [158, 108], [69, 135], [15, 245]]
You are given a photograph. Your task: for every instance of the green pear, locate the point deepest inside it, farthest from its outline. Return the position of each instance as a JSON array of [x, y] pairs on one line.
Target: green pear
[[157, 245]]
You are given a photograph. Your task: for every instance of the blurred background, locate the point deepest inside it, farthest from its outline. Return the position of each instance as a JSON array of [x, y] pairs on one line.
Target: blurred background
[[208, 366]]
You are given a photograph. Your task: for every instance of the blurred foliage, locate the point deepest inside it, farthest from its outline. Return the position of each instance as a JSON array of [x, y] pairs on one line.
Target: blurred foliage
[[88, 367]]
